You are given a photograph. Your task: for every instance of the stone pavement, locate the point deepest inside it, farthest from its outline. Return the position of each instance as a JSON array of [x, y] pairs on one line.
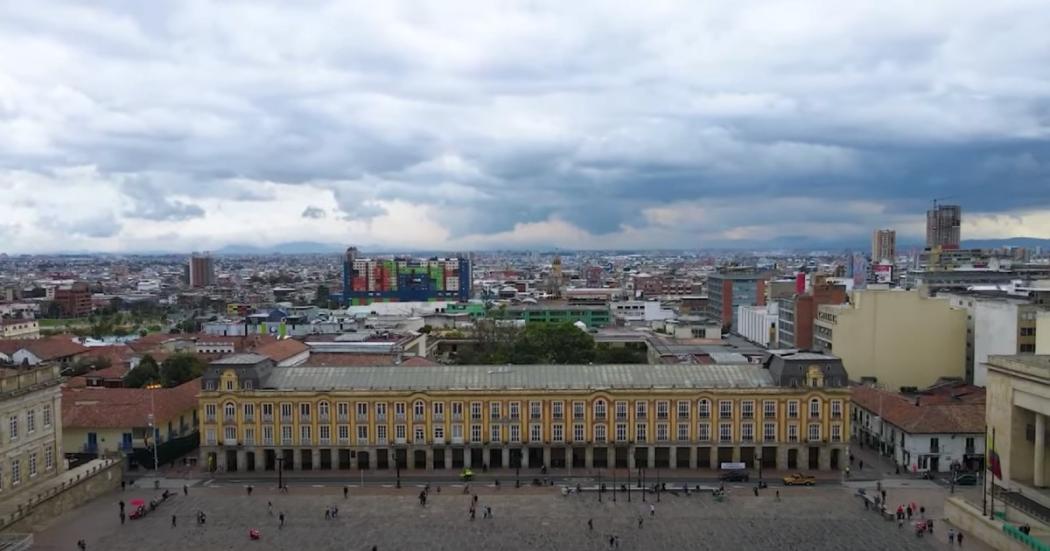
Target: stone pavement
[[805, 518]]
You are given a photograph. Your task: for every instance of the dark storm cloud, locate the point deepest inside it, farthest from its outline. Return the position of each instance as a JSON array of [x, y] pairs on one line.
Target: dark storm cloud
[[675, 119]]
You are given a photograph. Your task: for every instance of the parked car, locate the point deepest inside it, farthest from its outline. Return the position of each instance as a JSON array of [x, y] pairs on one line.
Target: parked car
[[799, 479], [734, 476], [966, 479]]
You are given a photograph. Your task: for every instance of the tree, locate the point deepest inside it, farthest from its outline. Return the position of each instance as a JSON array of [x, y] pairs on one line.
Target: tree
[[181, 368], [147, 372], [322, 297]]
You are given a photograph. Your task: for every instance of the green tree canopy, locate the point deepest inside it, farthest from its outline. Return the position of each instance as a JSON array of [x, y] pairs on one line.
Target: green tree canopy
[[181, 368], [147, 372]]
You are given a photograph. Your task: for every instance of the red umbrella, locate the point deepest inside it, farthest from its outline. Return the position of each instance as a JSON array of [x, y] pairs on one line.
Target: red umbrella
[[137, 502]]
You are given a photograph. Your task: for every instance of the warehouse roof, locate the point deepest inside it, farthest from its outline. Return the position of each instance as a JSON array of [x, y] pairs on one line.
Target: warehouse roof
[[553, 377]]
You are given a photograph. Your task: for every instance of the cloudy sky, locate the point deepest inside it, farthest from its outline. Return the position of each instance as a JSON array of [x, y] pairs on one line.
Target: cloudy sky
[[130, 126]]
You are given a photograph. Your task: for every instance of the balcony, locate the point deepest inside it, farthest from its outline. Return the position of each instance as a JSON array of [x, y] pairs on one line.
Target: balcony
[[267, 418], [342, 418], [229, 441], [249, 441], [600, 417], [229, 419], [362, 441], [286, 441], [661, 416], [267, 441], [578, 416], [344, 441], [557, 417], [323, 418], [536, 416], [457, 416], [380, 418], [287, 419], [475, 416], [438, 418], [400, 417], [209, 418], [640, 416], [324, 441], [457, 439], [401, 440], [305, 441], [249, 418], [747, 415], [379, 441], [621, 416], [418, 418], [439, 441]]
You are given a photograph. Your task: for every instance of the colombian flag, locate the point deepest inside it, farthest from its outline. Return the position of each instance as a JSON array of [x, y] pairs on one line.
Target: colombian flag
[[993, 460]]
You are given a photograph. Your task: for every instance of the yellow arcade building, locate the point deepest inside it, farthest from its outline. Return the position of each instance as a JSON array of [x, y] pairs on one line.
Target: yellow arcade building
[[789, 413]]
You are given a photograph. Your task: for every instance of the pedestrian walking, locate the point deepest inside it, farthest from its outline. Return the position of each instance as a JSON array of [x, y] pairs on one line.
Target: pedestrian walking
[[900, 523], [82, 545], [346, 492], [280, 517], [269, 508], [847, 471], [922, 511], [590, 524], [908, 510], [185, 490], [861, 464], [958, 537], [612, 540], [173, 521], [883, 495], [778, 495], [652, 510], [328, 514], [640, 521], [121, 505], [122, 517], [249, 490], [471, 512], [951, 536], [122, 485], [755, 489], [851, 459], [488, 511]]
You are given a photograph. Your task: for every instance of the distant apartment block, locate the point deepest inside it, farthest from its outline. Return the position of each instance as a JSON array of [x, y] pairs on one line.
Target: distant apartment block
[[201, 270], [883, 246], [943, 227], [590, 315], [797, 314], [19, 328], [895, 338], [73, 300]]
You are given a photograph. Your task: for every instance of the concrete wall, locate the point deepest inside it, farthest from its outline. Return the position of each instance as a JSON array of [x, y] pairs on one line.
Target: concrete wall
[[754, 323], [1042, 333], [900, 337], [994, 332], [39, 512], [968, 518], [1016, 453]]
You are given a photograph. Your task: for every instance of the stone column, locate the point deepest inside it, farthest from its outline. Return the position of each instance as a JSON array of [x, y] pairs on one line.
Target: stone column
[[824, 459], [736, 454], [466, 457], [692, 457], [429, 461], [713, 455], [652, 456], [448, 458], [673, 461], [588, 457], [525, 458], [782, 457], [242, 460], [506, 457], [630, 458], [568, 457], [220, 461], [297, 460], [547, 456], [335, 459], [316, 458], [1040, 453]]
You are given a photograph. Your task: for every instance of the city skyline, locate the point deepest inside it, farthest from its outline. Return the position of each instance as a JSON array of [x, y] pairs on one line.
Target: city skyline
[[469, 126]]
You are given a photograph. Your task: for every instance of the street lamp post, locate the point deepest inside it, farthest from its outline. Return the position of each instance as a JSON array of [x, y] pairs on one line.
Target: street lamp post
[[153, 428], [280, 471], [628, 485], [599, 486]]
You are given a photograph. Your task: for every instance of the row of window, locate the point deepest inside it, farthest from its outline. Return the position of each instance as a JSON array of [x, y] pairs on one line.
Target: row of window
[[15, 422], [513, 433], [599, 409], [14, 476]]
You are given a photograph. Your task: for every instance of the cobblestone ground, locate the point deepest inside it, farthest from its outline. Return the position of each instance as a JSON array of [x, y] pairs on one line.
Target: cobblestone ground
[[804, 519]]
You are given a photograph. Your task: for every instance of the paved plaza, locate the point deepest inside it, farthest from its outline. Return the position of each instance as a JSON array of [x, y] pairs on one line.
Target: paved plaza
[[533, 518]]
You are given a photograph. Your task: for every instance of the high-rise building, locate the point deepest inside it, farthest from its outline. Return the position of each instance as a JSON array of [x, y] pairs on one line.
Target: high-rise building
[[404, 279], [942, 227], [73, 300], [726, 290], [883, 246], [201, 270]]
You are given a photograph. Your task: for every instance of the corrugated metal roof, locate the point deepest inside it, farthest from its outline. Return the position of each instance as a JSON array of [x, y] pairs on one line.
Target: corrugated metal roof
[[554, 377]]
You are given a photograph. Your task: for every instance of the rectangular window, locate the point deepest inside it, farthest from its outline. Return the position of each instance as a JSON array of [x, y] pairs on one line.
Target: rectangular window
[[703, 409], [209, 436], [12, 428], [747, 432], [249, 436], [304, 411], [793, 409], [475, 410], [439, 432], [621, 410], [641, 432], [725, 409], [621, 432], [286, 434], [457, 433], [515, 410], [209, 412], [577, 432], [792, 433], [703, 432], [558, 432], [380, 410], [457, 410], [362, 434], [747, 409], [400, 433], [16, 472], [769, 432], [419, 434], [535, 410], [32, 464], [342, 410], [558, 410], [286, 412], [769, 409], [515, 433], [49, 458], [578, 409], [683, 409], [600, 409], [836, 409], [268, 435], [814, 432], [641, 409], [324, 432], [661, 432], [304, 435], [662, 409], [495, 433], [683, 432], [536, 433], [814, 408], [267, 412], [836, 433], [47, 415], [600, 435], [362, 410], [475, 433], [494, 411], [725, 432], [344, 433], [230, 434]]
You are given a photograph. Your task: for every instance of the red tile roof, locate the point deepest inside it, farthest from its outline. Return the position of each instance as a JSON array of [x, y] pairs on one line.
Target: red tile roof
[[925, 414], [281, 350], [96, 407], [54, 348]]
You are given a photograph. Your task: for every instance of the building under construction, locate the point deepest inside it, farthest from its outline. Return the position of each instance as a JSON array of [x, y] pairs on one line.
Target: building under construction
[[404, 279]]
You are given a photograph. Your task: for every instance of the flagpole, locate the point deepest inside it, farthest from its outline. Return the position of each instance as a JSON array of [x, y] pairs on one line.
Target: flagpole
[[991, 480], [984, 484]]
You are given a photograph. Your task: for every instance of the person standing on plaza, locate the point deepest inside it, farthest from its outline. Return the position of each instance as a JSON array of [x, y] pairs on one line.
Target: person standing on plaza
[[185, 490], [346, 492], [280, 517], [590, 524], [269, 508], [951, 536], [173, 521], [861, 464], [959, 537], [640, 521], [908, 510], [652, 510]]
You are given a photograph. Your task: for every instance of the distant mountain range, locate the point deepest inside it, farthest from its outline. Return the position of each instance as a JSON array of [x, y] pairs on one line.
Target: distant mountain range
[[294, 247]]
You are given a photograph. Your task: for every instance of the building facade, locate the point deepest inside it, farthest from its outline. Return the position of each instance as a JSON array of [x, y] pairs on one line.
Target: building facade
[[797, 314], [1018, 407], [899, 339], [201, 270], [785, 415], [726, 291], [590, 315], [73, 300], [30, 428], [403, 279], [943, 224], [883, 246], [758, 324], [19, 328]]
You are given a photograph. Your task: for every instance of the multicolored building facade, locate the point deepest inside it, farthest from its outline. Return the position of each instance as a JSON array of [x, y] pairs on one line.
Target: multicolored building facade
[[404, 279]]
